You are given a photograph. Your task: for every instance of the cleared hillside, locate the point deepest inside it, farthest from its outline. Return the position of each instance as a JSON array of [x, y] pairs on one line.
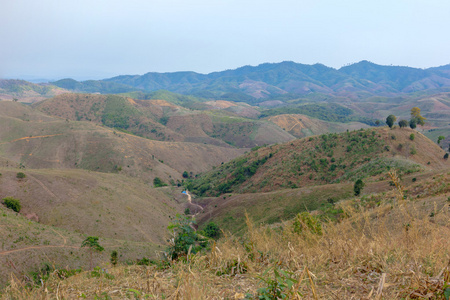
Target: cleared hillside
[[302, 126], [329, 158], [165, 121], [34, 140]]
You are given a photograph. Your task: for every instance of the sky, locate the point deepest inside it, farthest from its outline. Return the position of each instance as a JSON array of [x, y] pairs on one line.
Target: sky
[[95, 39]]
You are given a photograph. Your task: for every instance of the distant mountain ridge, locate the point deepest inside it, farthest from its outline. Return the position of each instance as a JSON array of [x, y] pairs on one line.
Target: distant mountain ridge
[[269, 80]]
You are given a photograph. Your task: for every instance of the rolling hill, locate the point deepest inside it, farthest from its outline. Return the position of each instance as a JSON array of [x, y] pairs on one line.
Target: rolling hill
[[165, 121], [329, 158], [32, 139]]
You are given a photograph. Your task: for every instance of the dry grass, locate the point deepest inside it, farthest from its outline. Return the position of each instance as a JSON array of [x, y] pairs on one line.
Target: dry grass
[[392, 251]]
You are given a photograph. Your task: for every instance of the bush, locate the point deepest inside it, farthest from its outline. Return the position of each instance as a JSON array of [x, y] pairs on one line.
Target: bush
[[185, 239], [21, 175], [185, 174], [157, 182], [446, 156], [212, 230], [357, 188], [12, 203], [412, 136]]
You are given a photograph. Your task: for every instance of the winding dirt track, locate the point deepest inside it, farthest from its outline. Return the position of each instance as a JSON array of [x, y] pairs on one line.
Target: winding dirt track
[[63, 245], [190, 202], [30, 137]]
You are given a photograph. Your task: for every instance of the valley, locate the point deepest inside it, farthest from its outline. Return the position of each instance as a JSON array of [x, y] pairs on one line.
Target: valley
[[268, 158]]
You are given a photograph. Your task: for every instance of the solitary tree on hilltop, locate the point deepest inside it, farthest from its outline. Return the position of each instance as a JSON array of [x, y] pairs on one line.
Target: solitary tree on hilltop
[[92, 243], [415, 115], [390, 120]]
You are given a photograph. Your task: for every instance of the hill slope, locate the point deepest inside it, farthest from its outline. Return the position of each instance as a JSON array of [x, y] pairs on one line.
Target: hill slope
[[323, 159], [34, 140], [165, 121]]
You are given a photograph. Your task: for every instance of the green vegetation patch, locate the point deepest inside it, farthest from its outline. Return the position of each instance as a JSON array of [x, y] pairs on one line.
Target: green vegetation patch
[[119, 113]]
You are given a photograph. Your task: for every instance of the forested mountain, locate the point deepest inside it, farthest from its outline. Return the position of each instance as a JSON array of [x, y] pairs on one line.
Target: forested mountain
[[275, 80]]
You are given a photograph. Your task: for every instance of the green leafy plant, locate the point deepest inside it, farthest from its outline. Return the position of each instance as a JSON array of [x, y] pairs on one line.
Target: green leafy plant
[[280, 286], [185, 240]]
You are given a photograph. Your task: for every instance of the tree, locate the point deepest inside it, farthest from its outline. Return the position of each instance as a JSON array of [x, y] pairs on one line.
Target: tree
[[440, 138], [12, 203], [114, 258], [412, 124], [92, 243], [415, 115], [403, 123], [185, 174], [357, 188], [390, 120], [446, 156]]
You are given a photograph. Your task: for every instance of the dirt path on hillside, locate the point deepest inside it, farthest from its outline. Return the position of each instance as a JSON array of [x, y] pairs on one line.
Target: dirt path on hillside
[[190, 202], [63, 245], [37, 247], [44, 187], [30, 137]]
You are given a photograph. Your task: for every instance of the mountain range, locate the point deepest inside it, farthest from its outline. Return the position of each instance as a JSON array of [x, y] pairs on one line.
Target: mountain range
[[278, 80]]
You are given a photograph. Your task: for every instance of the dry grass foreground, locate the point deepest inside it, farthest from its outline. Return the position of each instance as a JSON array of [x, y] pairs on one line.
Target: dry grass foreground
[[388, 248]]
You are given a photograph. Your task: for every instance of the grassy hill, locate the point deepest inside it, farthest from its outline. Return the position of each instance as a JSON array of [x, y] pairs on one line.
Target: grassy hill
[[302, 126], [165, 121], [34, 140], [368, 252], [329, 158]]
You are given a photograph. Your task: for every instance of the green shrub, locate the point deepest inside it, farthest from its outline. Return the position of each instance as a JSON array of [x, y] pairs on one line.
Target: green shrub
[[212, 230], [12, 203], [185, 239], [357, 188], [412, 136], [157, 182], [21, 175]]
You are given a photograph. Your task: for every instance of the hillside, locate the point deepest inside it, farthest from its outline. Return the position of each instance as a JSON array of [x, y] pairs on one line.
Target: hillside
[[302, 126], [24, 91], [35, 140], [164, 121], [329, 158], [366, 253]]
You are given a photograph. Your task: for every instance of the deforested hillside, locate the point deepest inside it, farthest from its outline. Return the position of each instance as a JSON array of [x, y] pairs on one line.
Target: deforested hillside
[[329, 158], [92, 203], [33, 140], [392, 244], [164, 121], [302, 126]]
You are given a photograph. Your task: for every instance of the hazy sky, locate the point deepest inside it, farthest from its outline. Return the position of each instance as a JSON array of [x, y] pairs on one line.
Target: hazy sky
[[96, 39]]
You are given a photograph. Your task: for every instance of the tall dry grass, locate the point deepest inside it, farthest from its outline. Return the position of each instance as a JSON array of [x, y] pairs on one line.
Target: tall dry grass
[[396, 249]]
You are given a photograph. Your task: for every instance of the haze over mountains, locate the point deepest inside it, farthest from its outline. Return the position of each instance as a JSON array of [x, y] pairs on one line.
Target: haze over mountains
[[272, 80]]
